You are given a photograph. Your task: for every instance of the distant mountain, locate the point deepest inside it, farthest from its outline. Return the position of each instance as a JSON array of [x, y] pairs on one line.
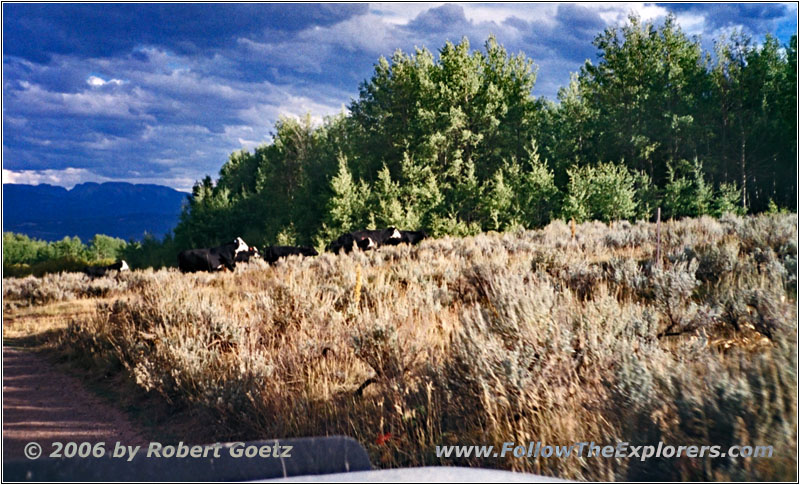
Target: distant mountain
[[116, 209]]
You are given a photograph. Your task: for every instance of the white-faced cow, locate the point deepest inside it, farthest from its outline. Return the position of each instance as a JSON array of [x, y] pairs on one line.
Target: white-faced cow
[[212, 259], [366, 239], [96, 271], [274, 253]]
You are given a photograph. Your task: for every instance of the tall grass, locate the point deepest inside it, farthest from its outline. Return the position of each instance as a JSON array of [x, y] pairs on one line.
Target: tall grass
[[522, 336]]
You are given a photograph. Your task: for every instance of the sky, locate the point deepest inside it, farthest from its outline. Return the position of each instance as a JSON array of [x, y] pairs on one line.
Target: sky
[[164, 93]]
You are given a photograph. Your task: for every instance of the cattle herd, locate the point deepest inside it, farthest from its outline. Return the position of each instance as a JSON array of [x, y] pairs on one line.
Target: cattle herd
[[236, 251], [226, 256]]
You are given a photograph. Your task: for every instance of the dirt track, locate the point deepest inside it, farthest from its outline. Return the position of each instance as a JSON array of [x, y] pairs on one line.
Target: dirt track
[[42, 404]]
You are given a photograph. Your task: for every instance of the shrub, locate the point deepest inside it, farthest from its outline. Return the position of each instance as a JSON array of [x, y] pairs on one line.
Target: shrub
[[728, 200], [523, 336], [686, 193], [604, 192]]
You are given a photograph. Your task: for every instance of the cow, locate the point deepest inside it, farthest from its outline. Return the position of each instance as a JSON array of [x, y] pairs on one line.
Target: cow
[[246, 256], [345, 241], [274, 253], [366, 239], [413, 237], [97, 271], [212, 259]]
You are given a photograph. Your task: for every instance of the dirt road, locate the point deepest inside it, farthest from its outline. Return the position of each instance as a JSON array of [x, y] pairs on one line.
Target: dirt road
[[43, 404]]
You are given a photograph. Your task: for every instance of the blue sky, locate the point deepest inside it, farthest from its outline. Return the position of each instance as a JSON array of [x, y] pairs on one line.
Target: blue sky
[[163, 93]]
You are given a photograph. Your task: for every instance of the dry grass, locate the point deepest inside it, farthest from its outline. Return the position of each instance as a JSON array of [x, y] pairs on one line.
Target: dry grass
[[521, 336]]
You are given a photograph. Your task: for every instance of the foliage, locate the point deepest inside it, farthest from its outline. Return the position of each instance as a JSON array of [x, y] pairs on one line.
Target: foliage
[[150, 252], [727, 200], [604, 192], [25, 256], [455, 142], [686, 193]]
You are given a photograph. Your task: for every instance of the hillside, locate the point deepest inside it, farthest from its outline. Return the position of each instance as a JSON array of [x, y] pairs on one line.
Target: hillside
[[116, 209]]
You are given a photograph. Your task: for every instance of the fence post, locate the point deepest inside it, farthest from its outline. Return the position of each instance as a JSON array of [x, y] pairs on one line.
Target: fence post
[[658, 237], [572, 227]]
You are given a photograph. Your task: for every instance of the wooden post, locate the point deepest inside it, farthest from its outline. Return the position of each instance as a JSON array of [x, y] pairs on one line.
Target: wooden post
[[357, 289], [572, 227], [658, 237]]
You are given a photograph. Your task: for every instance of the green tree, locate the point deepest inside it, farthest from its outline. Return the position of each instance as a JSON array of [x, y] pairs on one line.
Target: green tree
[[757, 138], [647, 198], [497, 204], [727, 200], [420, 193], [605, 192], [644, 93], [387, 208], [566, 129], [67, 248], [347, 209], [20, 249], [521, 194], [103, 247], [687, 194]]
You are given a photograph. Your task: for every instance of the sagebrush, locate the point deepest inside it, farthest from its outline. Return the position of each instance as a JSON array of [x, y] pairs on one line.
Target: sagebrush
[[520, 336]]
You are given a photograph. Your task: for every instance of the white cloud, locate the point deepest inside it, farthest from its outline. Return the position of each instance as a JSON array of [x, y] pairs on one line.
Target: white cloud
[[104, 142], [70, 177], [691, 23], [617, 13], [498, 13], [366, 33], [67, 177], [400, 13], [34, 98], [285, 103], [96, 82]]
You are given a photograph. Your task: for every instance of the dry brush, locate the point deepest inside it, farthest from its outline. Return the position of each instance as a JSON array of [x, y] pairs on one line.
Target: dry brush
[[522, 336]]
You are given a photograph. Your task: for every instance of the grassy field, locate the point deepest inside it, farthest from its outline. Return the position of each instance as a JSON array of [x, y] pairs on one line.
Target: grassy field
[[523, 336]]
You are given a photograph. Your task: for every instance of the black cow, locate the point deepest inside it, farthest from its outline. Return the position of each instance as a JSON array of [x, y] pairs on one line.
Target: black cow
[[96, 271], [211, 259], [246, 256], [274, 253], [366, 239], [345, 241], [413, 237]]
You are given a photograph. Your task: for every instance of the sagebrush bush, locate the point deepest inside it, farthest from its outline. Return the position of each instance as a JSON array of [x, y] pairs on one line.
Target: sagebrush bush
[[55, 287], [521, 336]]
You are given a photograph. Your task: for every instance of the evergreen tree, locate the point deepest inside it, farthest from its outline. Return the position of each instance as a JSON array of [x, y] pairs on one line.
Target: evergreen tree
[[605, 192], [347, 209], [687, 194], [643, 93]]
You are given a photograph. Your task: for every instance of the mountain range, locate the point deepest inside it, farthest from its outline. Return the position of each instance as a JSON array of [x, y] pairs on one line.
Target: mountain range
[[117, 209]]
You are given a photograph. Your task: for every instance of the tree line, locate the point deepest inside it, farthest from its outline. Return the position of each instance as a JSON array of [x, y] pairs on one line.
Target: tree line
[[456, 143], [23, 255]]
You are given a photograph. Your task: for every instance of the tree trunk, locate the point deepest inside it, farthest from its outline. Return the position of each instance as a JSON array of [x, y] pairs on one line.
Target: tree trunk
[[724, 146], [744, 173]]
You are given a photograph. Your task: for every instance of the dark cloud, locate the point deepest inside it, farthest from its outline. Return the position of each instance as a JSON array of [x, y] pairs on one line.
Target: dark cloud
[[571, 17], [440, 19], [568, 37], [37, 31], [758, 18], [168, 91]]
